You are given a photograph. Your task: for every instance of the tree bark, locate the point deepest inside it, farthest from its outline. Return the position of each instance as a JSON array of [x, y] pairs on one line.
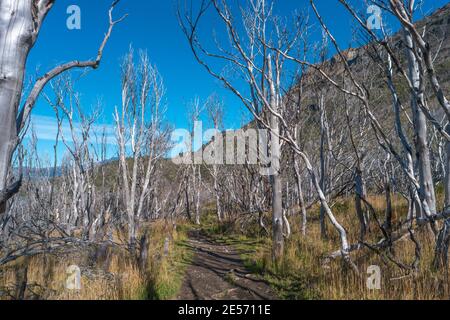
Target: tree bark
[[323, 163], [20, 23], [301, 201], [447, 171], [359, 195], [217, 194], [443, 240], [389, 210], [17, 37], [420, 129], [277, 205]]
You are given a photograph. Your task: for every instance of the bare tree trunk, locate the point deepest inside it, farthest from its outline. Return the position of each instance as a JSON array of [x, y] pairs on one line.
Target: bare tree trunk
[[197, 188], [388, 195], [359, 195], [447, 171], [217, 194], [443, 240], [277, 196], [360, 189], [323, 163], [413, 202], [277, 217], [20, 23], [420, 128], [341, 230], [144, 244], [22, 281], [301, 201], [186, 194], [16, 39], [287, 225]]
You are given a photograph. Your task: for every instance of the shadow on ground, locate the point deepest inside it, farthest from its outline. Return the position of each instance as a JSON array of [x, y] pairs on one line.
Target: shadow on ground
[[218, 273]]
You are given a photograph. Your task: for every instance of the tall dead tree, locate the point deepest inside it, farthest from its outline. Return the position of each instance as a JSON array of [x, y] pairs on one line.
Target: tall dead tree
[[263, 80], [141, 137], [420, 68], [194, 178], [20, 22], [275, 158], [215, 111], [250, 52], [68, 110], [420, 126]]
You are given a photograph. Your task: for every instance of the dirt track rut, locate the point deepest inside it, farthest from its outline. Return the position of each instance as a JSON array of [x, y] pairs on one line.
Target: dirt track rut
[[218, 273]]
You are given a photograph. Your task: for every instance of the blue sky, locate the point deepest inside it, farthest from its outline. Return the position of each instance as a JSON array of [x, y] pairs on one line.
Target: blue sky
[[152, 25]]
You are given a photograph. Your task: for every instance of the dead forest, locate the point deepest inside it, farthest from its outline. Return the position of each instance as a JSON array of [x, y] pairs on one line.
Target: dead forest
[[354, 172]]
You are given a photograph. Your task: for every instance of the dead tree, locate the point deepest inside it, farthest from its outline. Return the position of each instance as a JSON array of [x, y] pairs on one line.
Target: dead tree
[[260, 59], [420, 67], [215, 111], [140, 134], [301, 201], [22, 21], [194, 178], [68, 110]]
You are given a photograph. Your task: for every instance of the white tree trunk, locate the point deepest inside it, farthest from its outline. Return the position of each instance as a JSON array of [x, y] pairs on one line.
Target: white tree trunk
[[17, 37], [301, 201], [217, 194], [324, 172], [20, 23], [447, 171], [420, 129], [360, 194], [275, 154]]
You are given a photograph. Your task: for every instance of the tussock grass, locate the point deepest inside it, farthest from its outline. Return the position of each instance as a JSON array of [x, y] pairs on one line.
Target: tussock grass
[[107, 274], [302, 274], [166, 275]]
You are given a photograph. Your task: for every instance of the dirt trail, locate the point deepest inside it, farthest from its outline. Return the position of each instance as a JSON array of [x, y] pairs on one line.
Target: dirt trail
[[218, 273]]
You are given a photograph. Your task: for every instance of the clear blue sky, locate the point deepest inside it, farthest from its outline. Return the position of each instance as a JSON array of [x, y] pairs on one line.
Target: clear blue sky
[[152, 25]]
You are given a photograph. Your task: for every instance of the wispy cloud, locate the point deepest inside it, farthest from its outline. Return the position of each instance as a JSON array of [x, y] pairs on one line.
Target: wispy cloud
[[46, 129]]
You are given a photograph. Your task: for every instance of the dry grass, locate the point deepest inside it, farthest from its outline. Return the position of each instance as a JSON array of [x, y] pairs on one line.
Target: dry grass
[[303, 275], [110, 275]]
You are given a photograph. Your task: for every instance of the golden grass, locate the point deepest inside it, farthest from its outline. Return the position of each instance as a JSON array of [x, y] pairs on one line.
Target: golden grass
[[302, 273], [118, 279]]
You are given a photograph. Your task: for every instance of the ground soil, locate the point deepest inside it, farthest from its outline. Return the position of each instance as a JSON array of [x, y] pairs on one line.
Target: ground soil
[[218, 273]]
